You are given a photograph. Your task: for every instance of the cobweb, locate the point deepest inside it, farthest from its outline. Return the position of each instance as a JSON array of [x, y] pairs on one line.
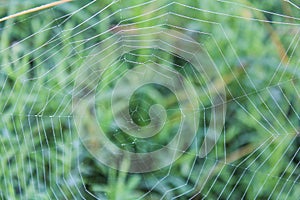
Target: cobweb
[[90, 90]]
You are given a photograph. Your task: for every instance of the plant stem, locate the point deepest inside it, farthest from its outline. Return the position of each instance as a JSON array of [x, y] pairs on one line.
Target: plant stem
[[49, 5]]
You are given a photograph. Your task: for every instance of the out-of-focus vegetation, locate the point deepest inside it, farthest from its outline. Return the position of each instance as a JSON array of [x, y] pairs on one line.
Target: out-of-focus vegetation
[[41, 154]]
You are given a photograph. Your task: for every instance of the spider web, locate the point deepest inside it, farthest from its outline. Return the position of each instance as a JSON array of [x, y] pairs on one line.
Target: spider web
[[59, 70]]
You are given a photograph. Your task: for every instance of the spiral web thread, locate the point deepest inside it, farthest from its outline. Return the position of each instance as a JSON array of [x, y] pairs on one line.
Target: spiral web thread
[[42, 153]]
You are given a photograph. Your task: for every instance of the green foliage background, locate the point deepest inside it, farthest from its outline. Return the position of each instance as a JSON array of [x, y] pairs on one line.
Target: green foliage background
[[42, 156]]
